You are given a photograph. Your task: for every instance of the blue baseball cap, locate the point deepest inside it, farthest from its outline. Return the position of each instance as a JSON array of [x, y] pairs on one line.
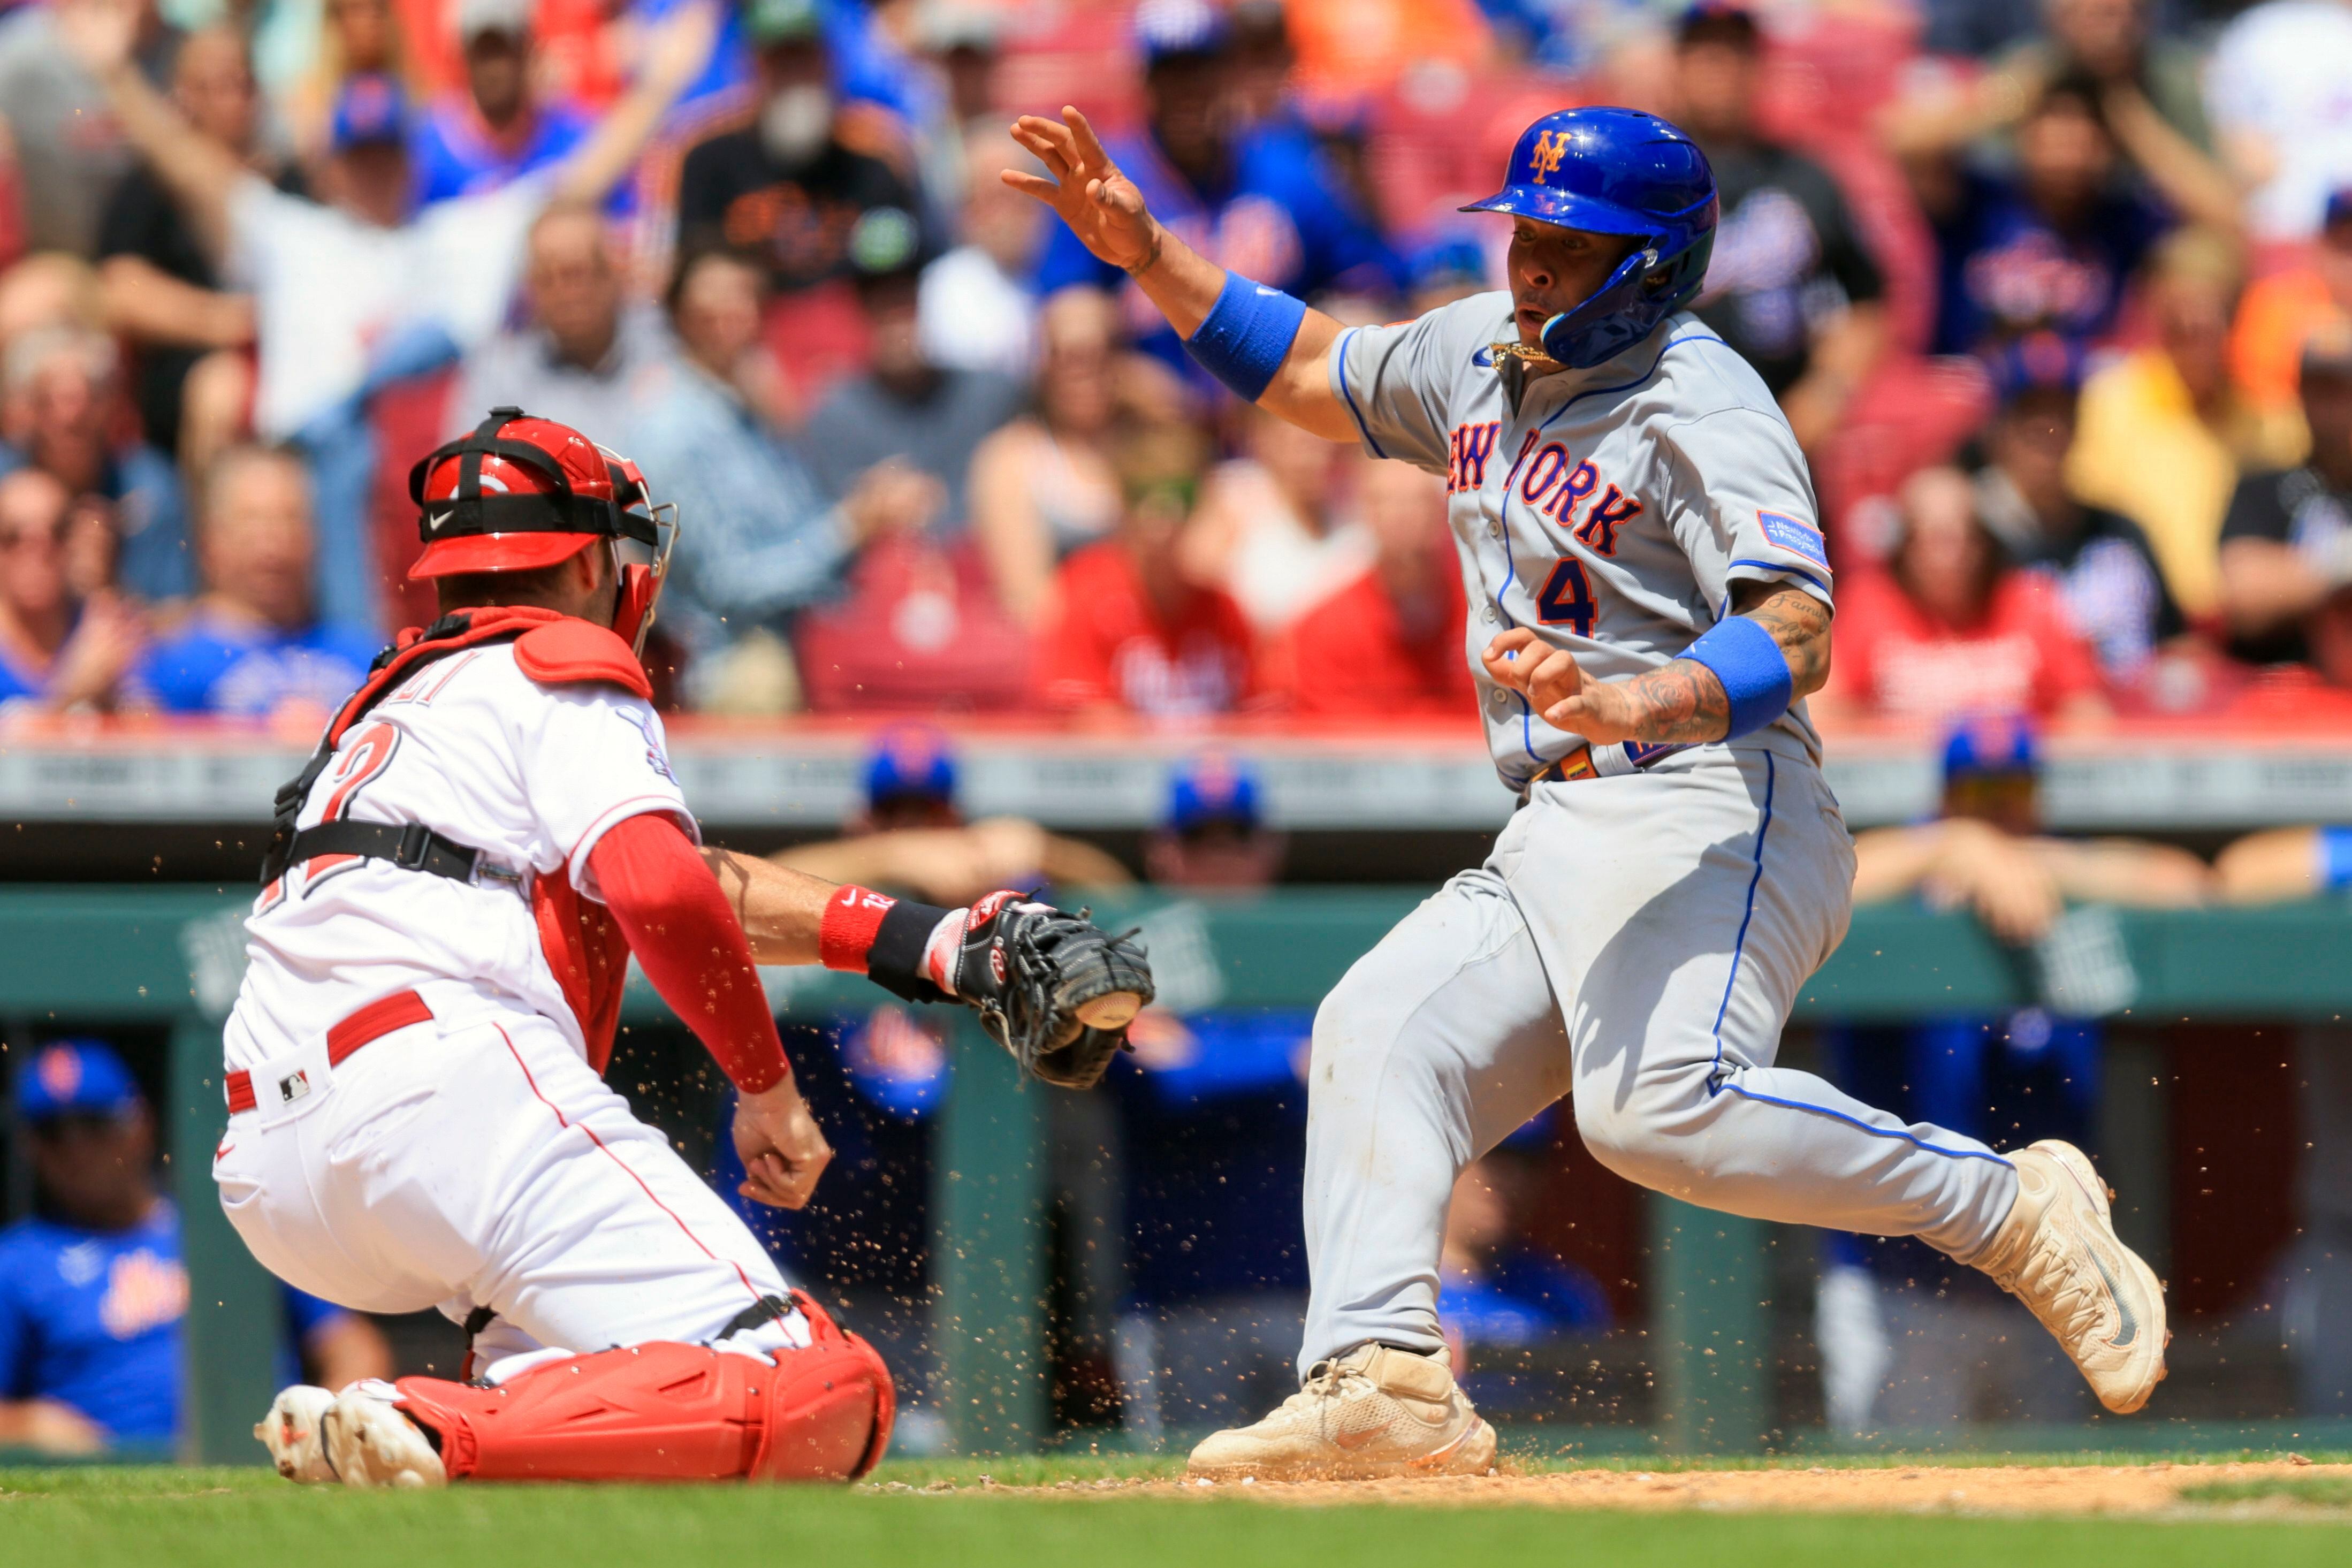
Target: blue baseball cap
[[371, 111], [1994, 744], [1725, 21], [2038, 362], [1445, 256], [911, 762], [1213, 788], [1166, 29], [75, 1078]]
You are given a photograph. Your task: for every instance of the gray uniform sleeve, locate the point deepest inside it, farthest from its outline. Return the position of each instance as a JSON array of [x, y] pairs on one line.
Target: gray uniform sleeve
[[1743, 504], [1399, 382]]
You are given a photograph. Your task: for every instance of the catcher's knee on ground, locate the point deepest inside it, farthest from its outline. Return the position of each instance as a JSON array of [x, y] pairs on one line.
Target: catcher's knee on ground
[[669, 1412]]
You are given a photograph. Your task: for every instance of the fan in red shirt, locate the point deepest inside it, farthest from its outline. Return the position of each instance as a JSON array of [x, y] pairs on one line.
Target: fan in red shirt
[[1951, 629], [1393, 641], [1128, 628]]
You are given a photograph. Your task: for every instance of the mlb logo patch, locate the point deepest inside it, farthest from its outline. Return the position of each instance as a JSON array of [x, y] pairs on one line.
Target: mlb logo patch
[[1790, 534], [293, 1087]]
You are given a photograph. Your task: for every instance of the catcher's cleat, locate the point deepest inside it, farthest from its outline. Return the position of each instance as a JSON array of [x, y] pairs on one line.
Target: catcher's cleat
[[371, 1444], [290, 1433], [2057, 1252], [1373, 1413], [1053, 988]]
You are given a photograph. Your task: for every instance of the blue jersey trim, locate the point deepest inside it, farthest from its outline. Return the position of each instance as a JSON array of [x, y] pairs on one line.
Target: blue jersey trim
[[1628, 385], [2335, 857], [1739, 943], [1348, 394], [1860, 1125], [1783, 566]]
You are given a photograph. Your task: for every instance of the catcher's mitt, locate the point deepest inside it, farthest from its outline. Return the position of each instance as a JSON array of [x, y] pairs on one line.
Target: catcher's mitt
[[1053, 988]]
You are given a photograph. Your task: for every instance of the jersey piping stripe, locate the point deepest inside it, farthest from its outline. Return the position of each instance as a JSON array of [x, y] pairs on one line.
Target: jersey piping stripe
[[1747, 914], [1511, 575], [1739, 946], [1348, 392], [1629, 385], [1783, 566], [1856, 1122], [560, 1120]]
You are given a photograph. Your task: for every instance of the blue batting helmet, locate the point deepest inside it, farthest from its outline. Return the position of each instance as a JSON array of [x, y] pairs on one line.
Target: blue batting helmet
[[1616, 170]]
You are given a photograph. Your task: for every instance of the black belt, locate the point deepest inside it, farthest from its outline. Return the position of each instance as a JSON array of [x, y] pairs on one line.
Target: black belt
[[412, 846]]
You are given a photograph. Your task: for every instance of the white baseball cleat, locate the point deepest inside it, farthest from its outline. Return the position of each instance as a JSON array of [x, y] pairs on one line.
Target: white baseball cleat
[[2057, 1252], [1375, 1412], [371, 1444], [290, 1433]]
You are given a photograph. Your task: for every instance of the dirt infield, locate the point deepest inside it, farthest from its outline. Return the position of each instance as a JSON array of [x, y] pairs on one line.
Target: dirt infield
[[2117, 1489]]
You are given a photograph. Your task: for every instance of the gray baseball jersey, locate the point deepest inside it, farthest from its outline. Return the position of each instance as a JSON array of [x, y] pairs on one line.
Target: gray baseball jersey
[[1609, 509]]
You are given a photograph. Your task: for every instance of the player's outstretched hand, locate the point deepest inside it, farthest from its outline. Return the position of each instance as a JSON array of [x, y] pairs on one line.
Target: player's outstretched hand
[[1554, 685], [1102, 206], [784, 1152]]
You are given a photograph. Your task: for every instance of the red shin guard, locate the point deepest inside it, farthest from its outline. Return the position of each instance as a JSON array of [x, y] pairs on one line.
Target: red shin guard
[[675, 1412]]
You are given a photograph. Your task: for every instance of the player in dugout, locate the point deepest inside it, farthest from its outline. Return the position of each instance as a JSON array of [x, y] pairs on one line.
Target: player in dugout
[[487, 831]]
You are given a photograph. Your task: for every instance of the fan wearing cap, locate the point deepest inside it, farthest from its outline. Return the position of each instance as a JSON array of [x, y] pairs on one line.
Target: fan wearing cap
[[1792, 285], [2101, 561], [2287, 543], [93, 1289], [791, 185], [913, 835], [1261, 199]]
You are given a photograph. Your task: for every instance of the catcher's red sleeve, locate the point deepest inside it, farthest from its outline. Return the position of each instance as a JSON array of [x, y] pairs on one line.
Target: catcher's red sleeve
[[687, 942]]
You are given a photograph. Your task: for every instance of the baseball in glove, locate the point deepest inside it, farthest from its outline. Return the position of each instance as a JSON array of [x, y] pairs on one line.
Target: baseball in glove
[[1051, 987]]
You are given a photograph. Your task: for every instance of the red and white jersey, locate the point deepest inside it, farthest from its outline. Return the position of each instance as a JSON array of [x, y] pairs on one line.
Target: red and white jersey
[[534, 776]]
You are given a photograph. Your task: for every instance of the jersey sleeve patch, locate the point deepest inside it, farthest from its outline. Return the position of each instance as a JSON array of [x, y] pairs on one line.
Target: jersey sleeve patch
[[578, 653], [1790, 534]]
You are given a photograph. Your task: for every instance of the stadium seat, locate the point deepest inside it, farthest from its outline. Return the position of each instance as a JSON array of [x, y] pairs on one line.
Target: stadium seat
[[407, 418]]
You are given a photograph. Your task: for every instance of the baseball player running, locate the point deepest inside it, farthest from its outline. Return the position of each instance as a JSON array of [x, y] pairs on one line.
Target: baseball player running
[[1650, 603], [488, 830]]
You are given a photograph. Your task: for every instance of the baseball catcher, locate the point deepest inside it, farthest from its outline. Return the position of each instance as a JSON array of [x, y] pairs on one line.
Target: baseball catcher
[[487, 831]]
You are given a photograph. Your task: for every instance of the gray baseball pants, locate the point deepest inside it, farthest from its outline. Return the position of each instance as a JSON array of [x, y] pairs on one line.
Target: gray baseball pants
[[1637, 942]]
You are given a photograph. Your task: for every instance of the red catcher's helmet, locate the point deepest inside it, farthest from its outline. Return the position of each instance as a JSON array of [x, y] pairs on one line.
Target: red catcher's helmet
[[520, 493]]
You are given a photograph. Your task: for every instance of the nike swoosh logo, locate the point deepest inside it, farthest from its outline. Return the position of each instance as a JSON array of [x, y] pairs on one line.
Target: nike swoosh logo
[[433, 523], [1354, 1440], [2130, 1318], [1483, 358]]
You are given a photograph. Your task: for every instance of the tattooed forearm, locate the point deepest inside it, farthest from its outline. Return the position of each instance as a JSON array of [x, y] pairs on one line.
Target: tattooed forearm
[[1680, 703], [1798, 622], [1684, 704]]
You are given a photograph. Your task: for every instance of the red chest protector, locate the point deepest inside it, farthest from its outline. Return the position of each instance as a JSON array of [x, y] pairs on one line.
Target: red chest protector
[[583, 945]]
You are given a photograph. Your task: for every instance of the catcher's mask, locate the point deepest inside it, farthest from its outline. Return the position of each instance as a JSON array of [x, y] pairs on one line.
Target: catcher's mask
[[519, 493]]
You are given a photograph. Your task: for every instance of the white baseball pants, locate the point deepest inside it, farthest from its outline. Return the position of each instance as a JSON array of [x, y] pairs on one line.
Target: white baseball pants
[[1639, 941], [483, 1164]]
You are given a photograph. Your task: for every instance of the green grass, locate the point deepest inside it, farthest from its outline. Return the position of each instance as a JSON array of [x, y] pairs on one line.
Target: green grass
[[100, 1518], [2320, 1491]]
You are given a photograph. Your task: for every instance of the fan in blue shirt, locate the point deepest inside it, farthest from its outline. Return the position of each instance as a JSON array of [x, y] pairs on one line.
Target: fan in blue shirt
[[1267, 204], [251, 647], [93, 1294], [2051, 246], [499, 129]]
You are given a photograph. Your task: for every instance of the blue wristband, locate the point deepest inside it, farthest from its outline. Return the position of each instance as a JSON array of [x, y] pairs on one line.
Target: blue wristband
[[1754, 672], [2335, 857], [1246, 336]]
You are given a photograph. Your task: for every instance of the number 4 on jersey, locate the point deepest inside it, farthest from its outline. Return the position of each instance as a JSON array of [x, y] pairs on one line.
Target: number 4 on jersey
[[1566, 597]]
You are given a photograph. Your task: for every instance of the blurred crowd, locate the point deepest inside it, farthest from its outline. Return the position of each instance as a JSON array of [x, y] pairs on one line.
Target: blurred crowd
[[2057, 297]]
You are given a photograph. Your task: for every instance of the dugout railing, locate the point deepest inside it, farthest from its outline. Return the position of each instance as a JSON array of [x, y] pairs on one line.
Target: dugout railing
[[92, 958]]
